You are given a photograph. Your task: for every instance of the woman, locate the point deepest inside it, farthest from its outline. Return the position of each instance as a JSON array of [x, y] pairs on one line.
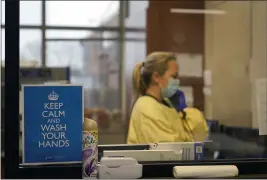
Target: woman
[[153, 118]]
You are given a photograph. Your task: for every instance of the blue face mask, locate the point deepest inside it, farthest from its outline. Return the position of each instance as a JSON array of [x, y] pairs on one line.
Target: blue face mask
[[171, 89]]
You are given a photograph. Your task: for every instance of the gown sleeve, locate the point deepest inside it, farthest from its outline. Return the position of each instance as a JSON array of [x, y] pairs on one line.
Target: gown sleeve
[[149, 125]]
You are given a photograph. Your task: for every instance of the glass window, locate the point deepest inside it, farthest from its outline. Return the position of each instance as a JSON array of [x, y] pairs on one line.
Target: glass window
[[62, 54], [67, 34], [30, 12], [30, 45], [135, 35], [137, 14], [82, 13], [235, 70], [109, 35]]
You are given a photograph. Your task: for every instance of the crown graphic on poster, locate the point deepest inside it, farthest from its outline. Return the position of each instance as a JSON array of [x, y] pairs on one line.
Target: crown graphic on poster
[[53, 96]]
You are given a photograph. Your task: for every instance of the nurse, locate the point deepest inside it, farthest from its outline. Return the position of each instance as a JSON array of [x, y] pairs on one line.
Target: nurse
[[153, 117]]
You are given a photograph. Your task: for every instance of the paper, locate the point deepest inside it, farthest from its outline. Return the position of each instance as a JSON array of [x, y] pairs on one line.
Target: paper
[[261, 91], [189, 96], [207, 77], [190, 65], [207, 91]]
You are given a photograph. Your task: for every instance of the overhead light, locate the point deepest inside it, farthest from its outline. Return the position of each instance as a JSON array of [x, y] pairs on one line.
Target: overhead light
[[197, 11]]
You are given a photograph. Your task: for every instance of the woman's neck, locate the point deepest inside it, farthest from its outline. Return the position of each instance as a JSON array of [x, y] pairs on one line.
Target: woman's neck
[[155, 92]]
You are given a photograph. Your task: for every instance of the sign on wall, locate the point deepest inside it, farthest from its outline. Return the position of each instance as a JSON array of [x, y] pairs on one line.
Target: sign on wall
[[190, 65], [52, 124]]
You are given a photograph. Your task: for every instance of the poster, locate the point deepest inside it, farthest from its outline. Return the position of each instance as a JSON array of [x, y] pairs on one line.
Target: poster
[[207, 77], [52, 124], [190, 65]]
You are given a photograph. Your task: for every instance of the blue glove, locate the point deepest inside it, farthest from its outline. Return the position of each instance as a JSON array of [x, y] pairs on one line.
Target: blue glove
[[178, 100]]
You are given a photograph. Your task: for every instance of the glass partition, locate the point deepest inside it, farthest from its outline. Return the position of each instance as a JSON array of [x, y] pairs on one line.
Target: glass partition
[[235, 59], [220, 48], [221, 53], [30, 45]]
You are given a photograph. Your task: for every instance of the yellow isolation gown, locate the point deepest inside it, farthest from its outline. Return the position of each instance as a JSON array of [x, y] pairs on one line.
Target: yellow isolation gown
[[154, 122]]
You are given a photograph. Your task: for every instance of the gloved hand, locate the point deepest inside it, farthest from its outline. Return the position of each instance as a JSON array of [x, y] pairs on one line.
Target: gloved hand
[[178, 100]]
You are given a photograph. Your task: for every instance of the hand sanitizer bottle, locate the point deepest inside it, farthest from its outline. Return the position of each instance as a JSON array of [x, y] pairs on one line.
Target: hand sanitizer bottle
[[90, 150]]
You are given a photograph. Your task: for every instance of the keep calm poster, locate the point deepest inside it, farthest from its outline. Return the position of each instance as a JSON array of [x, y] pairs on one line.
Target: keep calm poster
[[52, 124]]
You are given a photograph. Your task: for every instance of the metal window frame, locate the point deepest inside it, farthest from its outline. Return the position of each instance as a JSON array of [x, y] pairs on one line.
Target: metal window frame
[[81, 28], [43, 29], [94, 39]]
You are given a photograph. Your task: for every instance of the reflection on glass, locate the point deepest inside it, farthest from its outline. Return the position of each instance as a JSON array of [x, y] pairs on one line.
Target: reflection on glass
[[109, 35], [63, 54], [81, 13], [103, 96], [96, 67], [137, 14], [30, 12], [30, 45], [236, 56], [134, 35], [232, 44]]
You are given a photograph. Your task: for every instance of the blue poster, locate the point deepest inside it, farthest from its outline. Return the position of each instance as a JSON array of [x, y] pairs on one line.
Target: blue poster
[[52, 124]]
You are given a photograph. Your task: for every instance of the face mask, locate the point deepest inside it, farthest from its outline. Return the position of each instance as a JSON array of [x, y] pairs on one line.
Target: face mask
[[171, 89]]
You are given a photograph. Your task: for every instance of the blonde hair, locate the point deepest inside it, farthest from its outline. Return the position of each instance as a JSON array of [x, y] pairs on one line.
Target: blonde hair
[[142, 73]]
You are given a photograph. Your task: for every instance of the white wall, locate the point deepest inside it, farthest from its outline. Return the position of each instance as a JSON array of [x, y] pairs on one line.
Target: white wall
[[258, 63], [235, 48]]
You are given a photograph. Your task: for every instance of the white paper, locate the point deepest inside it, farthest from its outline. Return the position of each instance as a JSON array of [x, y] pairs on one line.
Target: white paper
[[189, 96], [190, 65], [261, 90], [207, 91], [207, 77]]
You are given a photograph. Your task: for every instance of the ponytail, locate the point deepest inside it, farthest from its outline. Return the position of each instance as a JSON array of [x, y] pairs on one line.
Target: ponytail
[[139, 87]]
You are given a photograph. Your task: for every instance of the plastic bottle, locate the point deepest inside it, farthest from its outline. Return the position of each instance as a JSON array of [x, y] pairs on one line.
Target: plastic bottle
[[90, 149]]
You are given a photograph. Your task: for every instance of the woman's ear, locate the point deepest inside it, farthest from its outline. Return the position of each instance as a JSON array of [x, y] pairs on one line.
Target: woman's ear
[[155, 77]]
